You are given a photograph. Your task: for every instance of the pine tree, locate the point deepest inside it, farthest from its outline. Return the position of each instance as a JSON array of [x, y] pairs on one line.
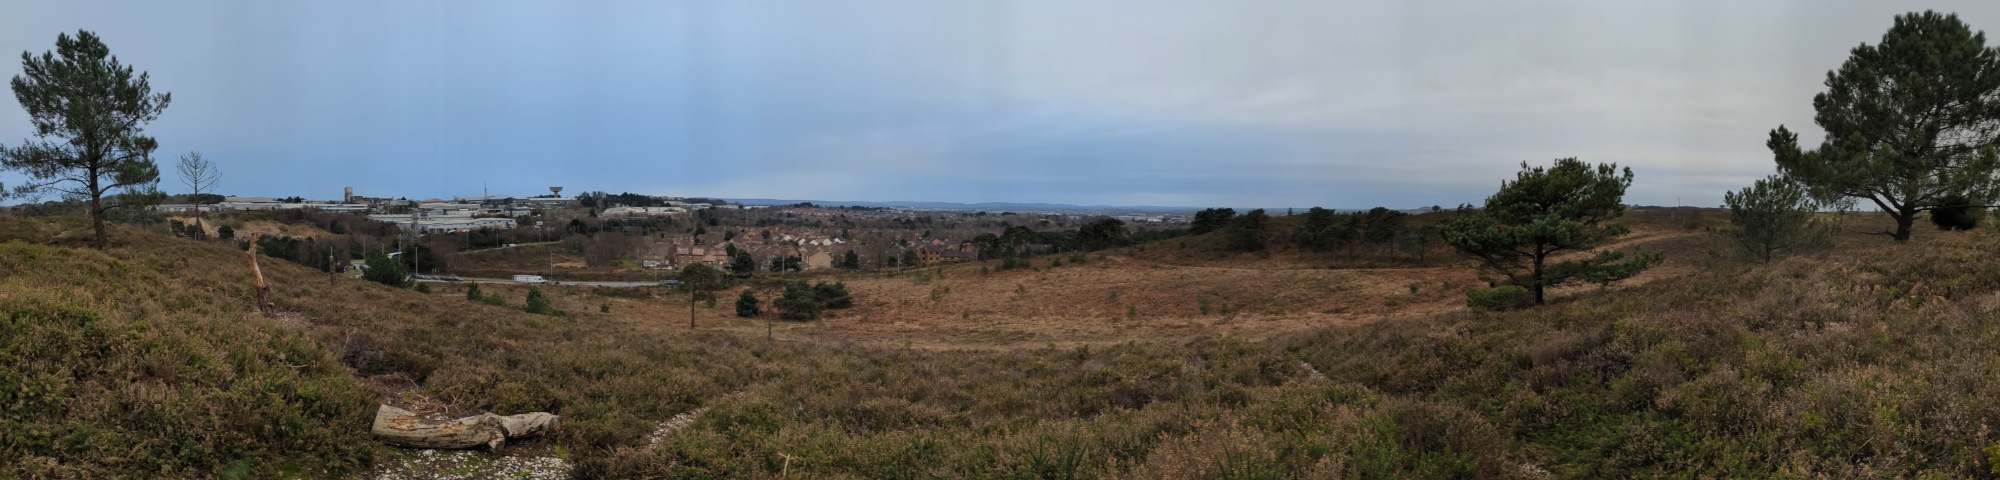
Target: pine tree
[[1909, 122], [746, 305], [799, 302], [379, 268], [1546, 211], [538, 303], [1776, 217], [87, 111]]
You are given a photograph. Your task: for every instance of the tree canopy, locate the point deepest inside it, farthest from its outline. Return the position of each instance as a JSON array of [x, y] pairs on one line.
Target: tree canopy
[[1246, 232], [1910, 122], [1210, 219], [88, 112], [1545, 211], [1102, 234], [1774, 217], [379, 268]]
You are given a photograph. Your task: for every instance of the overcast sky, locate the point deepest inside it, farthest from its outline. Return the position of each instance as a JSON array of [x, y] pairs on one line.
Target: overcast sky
[[1269, 103]]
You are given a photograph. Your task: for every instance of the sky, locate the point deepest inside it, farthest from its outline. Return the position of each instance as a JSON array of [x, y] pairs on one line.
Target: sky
[[1343, 104]]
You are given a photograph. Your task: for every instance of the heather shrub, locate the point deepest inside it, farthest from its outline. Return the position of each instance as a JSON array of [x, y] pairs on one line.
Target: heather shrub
[[1506, 297]]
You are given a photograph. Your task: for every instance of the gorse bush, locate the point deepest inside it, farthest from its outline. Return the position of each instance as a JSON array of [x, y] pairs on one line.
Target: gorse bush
[[379, 268], [746, 305], [799, 302], [1955, 212], [833, 295], [538, 303], [1508, 297]]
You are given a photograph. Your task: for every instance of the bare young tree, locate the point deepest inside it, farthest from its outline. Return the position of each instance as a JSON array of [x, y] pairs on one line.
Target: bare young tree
[[200, 175]]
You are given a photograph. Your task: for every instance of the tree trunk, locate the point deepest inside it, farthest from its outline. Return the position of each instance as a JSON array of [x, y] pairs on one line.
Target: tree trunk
[[404, 428], [690, 309], [102, 239], [1904, 220], [1535, 285]]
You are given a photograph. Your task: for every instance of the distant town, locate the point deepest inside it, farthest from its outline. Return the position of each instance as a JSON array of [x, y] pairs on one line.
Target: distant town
[[675, 230]]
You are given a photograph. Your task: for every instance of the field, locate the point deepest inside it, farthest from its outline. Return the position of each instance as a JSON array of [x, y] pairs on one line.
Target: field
[[1157, 362], [1170, 291]]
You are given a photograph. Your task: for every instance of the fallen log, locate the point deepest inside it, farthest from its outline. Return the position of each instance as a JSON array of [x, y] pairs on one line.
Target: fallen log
[[396, 426]]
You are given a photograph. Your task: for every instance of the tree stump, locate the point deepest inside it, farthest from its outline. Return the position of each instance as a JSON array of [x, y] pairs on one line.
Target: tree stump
[[263, 291]]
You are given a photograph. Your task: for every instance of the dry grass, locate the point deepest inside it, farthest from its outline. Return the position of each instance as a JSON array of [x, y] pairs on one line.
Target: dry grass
[[1866, 361]]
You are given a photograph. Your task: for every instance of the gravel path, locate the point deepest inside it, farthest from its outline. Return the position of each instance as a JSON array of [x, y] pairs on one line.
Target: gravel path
[[469, 465]]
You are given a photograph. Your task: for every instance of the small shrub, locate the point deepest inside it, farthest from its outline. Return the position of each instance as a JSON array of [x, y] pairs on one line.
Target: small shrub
[[833, 295], [1504, 298], [387, 271], [746, 305], [604, 308], [538, 303], [1956, 212], [800, 302], [472, 292], [495, 299], [423, 288]]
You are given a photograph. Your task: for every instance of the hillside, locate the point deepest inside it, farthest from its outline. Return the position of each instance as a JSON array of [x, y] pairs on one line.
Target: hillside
[[1866, 361]]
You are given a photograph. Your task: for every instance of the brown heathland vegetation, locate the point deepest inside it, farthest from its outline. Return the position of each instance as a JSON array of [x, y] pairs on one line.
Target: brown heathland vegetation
[[1862, 361]]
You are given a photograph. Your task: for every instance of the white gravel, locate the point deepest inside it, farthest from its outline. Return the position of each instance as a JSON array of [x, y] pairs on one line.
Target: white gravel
[[469, 465]]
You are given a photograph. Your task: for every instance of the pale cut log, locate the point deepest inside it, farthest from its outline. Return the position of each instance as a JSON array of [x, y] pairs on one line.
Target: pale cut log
[[396, 426]]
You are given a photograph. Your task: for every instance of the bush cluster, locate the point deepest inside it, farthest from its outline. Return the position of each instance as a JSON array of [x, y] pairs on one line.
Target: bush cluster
[[802, 301]]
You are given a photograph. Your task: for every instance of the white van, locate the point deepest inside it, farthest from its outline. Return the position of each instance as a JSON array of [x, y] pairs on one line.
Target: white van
[[529, 279]]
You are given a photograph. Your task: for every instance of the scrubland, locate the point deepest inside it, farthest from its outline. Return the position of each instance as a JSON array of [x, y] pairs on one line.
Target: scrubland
[[1871, 360]]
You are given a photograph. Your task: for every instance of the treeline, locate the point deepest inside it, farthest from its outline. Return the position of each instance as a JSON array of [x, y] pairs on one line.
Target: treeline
[[1387, 233]]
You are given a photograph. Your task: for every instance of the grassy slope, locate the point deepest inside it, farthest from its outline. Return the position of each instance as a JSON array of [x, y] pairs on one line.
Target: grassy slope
[[114, 369], [1845, 364]]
